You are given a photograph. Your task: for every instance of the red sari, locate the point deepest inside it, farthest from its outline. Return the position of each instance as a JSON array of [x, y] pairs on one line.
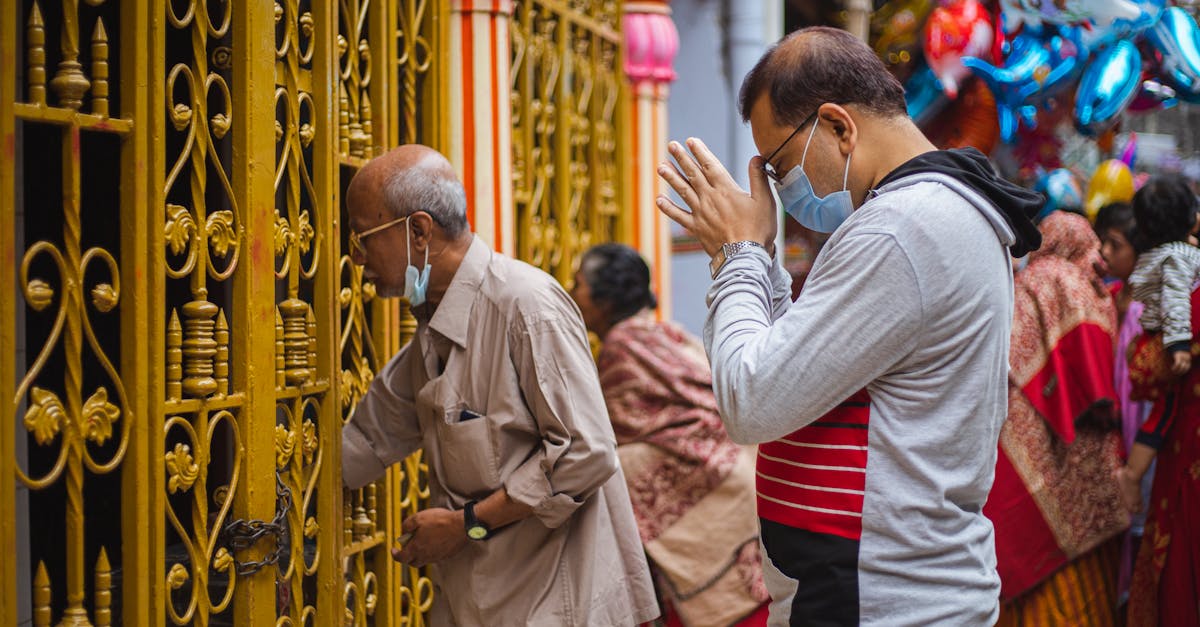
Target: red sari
[[1054, 500], [1166, 576], [692, 487]]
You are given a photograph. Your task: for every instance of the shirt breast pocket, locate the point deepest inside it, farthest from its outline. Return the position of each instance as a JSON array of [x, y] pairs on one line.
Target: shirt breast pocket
[[466, 442]]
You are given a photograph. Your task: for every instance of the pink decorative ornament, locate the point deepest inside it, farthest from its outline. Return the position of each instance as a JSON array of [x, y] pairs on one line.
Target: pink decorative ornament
[[651, 43]]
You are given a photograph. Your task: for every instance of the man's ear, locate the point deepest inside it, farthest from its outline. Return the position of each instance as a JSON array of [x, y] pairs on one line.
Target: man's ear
[[422, 226], [845, 130]]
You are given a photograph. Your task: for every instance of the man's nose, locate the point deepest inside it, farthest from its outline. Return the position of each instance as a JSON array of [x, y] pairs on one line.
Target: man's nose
[[357, 257]]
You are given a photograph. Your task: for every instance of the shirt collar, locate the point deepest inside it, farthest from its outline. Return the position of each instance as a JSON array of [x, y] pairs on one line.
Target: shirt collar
[[453, 313]]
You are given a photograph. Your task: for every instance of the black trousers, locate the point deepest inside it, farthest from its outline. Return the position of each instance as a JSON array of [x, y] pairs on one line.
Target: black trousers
[[826, 569]]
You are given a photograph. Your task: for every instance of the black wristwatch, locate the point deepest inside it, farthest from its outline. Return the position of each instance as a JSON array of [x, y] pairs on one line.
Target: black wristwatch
[[476, 530]]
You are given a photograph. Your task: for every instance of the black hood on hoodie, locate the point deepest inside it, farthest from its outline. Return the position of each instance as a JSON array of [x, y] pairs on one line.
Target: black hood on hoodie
[[1017, 204]]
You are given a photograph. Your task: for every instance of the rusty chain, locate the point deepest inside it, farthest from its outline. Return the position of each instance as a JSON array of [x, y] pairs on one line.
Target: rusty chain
[[239, 535]]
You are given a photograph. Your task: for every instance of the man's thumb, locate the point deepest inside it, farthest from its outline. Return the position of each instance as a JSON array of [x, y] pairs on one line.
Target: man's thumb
[[760, 185]]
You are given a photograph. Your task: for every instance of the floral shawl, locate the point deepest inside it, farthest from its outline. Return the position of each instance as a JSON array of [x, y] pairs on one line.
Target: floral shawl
[[1054, 497], [692, 487]]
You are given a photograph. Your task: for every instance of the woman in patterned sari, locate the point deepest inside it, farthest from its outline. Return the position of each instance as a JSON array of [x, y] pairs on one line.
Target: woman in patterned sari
[[1165, 591], [1166, 574], [692, 487], [1055, 503]]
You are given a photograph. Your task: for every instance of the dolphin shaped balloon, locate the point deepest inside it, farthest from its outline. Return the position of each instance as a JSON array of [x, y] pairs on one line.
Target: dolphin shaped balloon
[[1108, 85], [1177, 37], [1039, 65]]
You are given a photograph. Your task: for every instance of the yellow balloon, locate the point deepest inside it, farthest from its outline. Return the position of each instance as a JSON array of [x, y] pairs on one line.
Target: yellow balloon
[[1112, 182]]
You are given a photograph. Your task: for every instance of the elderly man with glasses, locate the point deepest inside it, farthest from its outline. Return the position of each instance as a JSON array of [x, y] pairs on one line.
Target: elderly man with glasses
[[529, 522]]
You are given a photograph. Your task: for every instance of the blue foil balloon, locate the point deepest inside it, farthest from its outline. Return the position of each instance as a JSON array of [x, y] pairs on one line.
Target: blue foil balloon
[[1108, 85], [924, 94], [1068, 53], [1009, 82], [1061, 190], [1040, 63], [1177, 37]]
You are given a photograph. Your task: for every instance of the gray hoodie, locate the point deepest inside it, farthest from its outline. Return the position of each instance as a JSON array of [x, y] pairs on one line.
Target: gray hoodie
[[910, 300]]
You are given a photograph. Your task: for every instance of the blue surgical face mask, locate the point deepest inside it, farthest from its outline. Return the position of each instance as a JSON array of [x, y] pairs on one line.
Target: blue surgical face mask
[[823, 215], [416, 282]]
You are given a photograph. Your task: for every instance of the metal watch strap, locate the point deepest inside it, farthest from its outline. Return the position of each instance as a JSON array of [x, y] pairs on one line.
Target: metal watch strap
[[729, 249], [737, 247]]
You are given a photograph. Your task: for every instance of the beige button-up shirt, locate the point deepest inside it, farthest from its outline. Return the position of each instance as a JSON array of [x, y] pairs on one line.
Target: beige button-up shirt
[[513, 401]]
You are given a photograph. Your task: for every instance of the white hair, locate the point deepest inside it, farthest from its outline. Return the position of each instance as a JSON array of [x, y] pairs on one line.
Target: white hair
[[422, 188]]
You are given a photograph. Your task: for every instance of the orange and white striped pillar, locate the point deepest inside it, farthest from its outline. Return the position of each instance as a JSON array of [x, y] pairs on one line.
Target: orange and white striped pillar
[[651, 43], [480, 115]]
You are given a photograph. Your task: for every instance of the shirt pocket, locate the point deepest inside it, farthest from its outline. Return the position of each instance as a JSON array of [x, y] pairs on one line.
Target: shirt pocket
[[467, 445]]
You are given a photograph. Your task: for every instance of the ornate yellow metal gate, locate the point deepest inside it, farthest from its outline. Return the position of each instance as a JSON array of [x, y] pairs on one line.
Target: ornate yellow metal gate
[[186, 335], [568, 184]]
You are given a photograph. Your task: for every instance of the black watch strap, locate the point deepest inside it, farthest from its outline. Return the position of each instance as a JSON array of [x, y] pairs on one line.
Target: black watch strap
[[476, 530]]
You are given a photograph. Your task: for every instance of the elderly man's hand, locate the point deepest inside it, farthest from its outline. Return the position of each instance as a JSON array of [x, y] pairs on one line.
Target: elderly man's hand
[[436, 535], [721, 212]]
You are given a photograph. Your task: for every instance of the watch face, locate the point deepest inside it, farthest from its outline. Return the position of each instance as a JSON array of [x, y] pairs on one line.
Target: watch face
[[717, 261], [477, 533]]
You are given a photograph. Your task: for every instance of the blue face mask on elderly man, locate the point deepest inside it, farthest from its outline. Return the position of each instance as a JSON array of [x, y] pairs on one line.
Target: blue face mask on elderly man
[[823, 215], [416, 282]]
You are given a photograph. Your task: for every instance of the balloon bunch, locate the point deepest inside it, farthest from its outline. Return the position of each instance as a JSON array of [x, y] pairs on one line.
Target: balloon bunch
[[1100, 58], [1035, 70], [1112, 181]]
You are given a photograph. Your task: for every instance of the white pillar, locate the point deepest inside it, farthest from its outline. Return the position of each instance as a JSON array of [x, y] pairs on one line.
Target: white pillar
[[481, 115]]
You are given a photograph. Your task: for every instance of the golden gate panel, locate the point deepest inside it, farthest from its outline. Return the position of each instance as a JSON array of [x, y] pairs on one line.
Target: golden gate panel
[[185, 334], [188, 334], [566, 85]]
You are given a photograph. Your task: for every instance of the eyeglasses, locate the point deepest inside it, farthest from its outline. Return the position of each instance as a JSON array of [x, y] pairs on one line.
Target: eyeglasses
[[768, 167], [356, 238]]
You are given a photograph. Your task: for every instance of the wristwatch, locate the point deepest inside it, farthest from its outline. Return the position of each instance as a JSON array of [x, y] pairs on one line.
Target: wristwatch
[[476, 530], [727, 251]]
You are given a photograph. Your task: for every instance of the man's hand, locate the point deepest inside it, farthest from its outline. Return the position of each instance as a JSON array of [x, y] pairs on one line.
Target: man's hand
[[1181, 362], [437, 534], [721, 212]]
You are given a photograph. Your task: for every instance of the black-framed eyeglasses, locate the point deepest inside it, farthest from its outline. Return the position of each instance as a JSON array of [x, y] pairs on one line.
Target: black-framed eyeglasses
[[357, 238], [768, 165]]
